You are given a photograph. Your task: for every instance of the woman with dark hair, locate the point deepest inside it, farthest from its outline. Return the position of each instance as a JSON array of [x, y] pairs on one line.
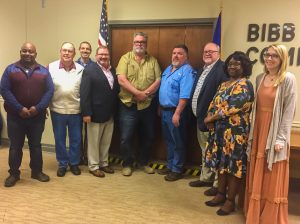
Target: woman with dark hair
[[268, 148], [228, 124]]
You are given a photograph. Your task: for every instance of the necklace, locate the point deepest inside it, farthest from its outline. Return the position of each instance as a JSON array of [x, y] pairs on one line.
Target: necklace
[[272, 78]]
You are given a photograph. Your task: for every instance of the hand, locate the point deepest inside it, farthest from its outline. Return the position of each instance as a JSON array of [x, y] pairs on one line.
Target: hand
[[210, 125], [87, 119], [47, 113], [175, 120], [33, 111], [24, 113], [208, 120], [278, 147], [140, 96]]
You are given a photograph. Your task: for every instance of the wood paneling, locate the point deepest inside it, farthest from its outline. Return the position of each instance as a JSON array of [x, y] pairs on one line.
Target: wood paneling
[[161, 40], [195, 39]]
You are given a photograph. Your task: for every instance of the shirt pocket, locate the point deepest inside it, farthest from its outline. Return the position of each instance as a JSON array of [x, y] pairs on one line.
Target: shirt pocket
[[175, 83], [149, 73], [132, 72]]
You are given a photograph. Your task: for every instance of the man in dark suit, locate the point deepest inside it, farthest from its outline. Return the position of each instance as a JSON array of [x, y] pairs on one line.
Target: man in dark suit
[[98, 99], [205, 87]]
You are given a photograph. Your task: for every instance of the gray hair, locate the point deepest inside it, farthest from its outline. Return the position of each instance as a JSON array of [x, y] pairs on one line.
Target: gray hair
[[141, 34]]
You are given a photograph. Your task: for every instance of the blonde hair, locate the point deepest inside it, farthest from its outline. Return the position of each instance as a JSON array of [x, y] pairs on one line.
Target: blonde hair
[[282, 51]]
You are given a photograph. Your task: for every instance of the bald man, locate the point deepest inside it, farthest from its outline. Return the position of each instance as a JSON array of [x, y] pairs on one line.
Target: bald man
[[27, 88], [65, 109]]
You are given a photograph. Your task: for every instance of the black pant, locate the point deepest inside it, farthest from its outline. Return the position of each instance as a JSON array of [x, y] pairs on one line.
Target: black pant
[[17, 129]]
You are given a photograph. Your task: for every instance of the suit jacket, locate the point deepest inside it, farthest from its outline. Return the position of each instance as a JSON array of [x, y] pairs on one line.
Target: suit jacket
[[209, 88], [97, 98]]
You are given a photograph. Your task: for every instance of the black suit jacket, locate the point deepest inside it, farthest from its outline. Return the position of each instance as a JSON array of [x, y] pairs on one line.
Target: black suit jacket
[[210, 86], [97, 98]]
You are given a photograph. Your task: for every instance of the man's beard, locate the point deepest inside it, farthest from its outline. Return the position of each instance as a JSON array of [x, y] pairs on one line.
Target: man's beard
[[139, 50]]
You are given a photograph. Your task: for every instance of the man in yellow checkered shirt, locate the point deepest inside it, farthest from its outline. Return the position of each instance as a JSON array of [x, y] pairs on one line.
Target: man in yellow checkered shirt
[[139, 77]]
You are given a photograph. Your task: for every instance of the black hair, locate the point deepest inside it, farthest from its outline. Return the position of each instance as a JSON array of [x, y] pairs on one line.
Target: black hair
[[246, 64], [184, 47]]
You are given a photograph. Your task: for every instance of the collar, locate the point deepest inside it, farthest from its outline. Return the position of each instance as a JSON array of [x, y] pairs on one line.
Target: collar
[[61, 65], [103, 68], [20, 65], [210, 66]]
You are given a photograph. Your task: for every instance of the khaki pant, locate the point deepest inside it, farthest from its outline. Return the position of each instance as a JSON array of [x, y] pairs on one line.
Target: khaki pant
[[99, 140], [207, 175]]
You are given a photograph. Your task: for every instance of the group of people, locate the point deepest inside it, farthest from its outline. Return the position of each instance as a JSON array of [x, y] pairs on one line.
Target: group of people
[[245, 133], [220, 96]]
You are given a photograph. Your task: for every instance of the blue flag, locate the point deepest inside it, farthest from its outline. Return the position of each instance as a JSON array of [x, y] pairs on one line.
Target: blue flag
[[217, 32]]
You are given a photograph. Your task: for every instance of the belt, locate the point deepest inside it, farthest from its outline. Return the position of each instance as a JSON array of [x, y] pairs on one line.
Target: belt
[[168, 108]]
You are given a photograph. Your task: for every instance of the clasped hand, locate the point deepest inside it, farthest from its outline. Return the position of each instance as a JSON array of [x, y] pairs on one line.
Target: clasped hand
[[27, 113]]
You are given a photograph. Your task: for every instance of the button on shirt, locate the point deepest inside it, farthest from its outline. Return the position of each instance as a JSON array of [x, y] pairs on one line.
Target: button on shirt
[[206, 70], [108, 75], [140, 75], [176, 85]]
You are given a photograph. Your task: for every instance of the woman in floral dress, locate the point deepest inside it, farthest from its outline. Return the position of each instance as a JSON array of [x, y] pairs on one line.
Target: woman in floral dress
[[228, 124]]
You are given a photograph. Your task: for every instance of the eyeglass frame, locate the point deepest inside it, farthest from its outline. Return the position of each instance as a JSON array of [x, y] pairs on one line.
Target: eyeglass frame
[[267, 55], [209, 52], [139, 42]]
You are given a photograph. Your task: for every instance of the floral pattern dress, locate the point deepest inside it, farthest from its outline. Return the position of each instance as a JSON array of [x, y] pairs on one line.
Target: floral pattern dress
[[227, 141]]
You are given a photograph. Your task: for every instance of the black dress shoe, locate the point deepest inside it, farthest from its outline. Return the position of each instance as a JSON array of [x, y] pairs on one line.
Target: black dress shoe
[[219, 199], [40, 176], [230, 208], [164, 171], [173, 176], [61, 171], [199, 183], [211, 191], [75, 170], [11, 180]]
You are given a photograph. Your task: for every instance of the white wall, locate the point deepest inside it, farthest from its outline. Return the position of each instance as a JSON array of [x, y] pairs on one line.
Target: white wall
[[78, 20]]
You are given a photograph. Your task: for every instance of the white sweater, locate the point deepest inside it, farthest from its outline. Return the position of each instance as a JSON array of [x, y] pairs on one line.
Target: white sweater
[[66, 98]]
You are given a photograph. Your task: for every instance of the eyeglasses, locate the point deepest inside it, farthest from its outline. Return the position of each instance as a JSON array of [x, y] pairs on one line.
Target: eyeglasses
[[139, 42], [272, 56], [209, 52], [234, 64], [103, 55]]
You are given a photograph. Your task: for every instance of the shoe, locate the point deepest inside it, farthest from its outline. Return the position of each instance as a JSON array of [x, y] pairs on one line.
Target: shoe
[[227, 208], [199, 183], [173, 176], [107, 169], [127, 171], [75, 170], [148, 170], [211, 191], [11, 180], [219, 199], [61, 172], [164, 171], [97, 173], [40, 176]]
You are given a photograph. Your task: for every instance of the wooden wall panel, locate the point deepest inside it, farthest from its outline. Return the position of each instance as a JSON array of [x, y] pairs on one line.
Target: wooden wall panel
[[161, 40], [168, 38], [121, 39], [195, 39]]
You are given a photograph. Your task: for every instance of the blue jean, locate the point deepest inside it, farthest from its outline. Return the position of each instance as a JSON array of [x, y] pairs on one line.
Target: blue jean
[[140, 121], [175, 139], [60, 123], [17, 129]]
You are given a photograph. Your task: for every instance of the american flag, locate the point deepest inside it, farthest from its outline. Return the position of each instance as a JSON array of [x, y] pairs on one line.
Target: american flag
[[103, 31]]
